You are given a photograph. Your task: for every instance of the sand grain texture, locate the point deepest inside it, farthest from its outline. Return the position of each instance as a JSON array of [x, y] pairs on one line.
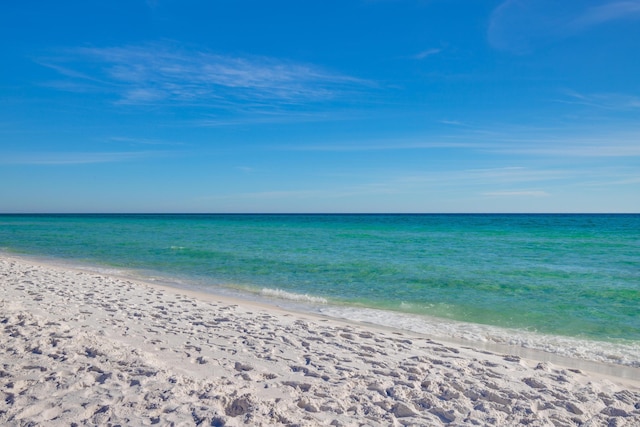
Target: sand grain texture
[[81, 348]]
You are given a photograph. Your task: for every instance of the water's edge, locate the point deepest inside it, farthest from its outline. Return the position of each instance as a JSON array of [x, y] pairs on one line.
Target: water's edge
[[621, 360], [567, 285], [599, 366]]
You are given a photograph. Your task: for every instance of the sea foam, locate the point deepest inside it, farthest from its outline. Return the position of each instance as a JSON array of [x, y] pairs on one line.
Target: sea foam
[[626, 353], [280, 294]]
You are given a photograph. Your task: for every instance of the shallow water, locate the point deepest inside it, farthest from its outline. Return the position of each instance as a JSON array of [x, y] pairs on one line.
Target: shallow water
[[563, 283]]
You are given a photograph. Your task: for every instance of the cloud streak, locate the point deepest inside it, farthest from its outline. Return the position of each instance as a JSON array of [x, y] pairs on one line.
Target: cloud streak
[[160, 73], [606, 101], [606, 12], [427, 53], [518, 193], [542, 143], [520, 26], [77, 158], [142, 141]]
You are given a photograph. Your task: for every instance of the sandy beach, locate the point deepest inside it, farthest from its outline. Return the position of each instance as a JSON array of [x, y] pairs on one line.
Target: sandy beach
[[82, 348]]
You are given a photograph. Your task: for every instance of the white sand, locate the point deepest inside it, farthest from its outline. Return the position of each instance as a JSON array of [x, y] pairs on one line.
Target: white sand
[[82, 348]]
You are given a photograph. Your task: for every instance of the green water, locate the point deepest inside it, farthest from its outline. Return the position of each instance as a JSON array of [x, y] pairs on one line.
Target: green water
[[564, 275]]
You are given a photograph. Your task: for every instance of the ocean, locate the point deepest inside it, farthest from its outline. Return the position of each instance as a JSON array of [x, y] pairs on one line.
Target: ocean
[[564, 284]]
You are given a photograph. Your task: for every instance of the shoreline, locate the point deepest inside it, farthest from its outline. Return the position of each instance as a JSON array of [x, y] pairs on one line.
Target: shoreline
[[611, 371], [76, 339], [599, 357]]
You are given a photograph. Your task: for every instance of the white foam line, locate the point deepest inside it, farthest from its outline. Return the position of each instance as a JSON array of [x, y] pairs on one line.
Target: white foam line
[[626, 354], [279, 293]]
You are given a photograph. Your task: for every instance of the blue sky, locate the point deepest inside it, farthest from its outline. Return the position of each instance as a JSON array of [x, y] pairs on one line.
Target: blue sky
[[320, 106]]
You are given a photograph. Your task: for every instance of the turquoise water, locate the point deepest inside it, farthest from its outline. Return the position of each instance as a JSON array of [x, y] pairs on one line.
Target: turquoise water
[[574, 276]]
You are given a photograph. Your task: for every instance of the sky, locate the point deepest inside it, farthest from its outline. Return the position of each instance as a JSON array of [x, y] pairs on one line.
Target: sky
[[417, 106]]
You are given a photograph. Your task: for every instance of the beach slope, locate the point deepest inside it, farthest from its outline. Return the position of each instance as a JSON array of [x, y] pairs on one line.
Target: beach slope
[[81, 347]]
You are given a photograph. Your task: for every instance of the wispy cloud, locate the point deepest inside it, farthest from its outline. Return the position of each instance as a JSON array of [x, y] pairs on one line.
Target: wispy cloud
[[413, 190], [77, 158], [143, 141], [517, 193], [497, 139], [515, 174], [615, 177], [157, 73], [574, 147], [250, 114], [305, 194], [607, 101], [486, 177], [454, 123], [606, 12], [427, 53], [381, 145], [522, 25]]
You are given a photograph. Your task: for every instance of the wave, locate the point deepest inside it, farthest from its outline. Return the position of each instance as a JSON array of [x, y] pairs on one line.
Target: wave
[[280, 294], [625, 353]]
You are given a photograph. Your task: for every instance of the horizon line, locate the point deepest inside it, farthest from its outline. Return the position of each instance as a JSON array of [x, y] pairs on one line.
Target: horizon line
[[310, 213]]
